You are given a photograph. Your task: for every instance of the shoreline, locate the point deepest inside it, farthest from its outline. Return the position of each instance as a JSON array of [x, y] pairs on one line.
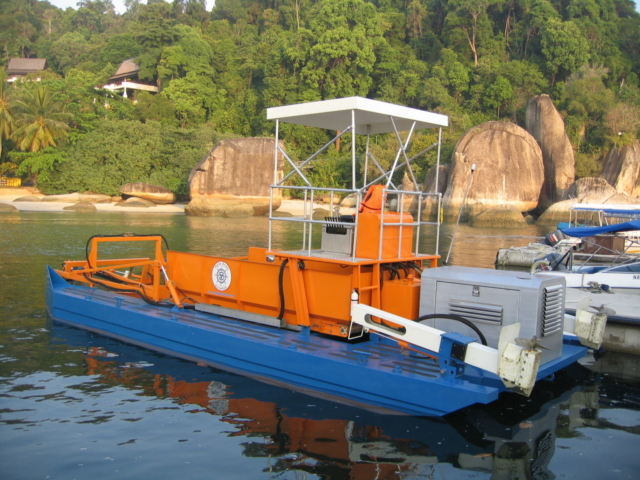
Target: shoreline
[[293, 207]]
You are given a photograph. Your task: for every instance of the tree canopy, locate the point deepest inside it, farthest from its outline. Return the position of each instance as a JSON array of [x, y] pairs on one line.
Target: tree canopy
[[474, 60]]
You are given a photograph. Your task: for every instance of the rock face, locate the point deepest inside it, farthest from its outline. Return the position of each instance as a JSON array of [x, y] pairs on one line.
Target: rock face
[[77, 197], [545, 124], [622, 169], [6, 208], [509, 170], [558, 212], [82, 207], [590, 190], [153, 193], [349, 201], [135, 202], [584, 190], [503, 216], [28, 198], [234, 176]]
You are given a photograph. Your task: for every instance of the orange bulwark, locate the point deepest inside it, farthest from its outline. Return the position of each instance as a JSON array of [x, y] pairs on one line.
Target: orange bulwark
[[302, 290]]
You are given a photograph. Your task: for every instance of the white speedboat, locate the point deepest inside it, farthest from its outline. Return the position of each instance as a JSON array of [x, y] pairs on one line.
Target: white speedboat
[[622, 274]]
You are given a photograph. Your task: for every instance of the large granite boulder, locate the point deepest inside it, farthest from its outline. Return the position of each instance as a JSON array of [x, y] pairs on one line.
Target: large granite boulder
[[556, 213], [29, 198], [622, 169], [585, 190], [153, 193], [7, 208], [509, 170], [233, 176], [135, 202], [546, 125], [590, 190], [82, 207], [63, 198], [77, 198]]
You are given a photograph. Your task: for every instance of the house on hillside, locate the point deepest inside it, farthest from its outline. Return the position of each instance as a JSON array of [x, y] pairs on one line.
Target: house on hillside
[[126, 80], [21, 67]]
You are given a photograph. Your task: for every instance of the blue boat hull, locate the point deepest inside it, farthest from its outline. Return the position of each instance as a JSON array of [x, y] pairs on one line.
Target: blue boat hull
[[373, 373]]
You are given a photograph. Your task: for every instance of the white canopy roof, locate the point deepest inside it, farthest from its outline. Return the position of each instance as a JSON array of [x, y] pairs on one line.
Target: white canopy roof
[[371, 116]]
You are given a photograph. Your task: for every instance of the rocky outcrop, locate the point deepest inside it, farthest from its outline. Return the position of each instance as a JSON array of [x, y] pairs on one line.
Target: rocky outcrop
[[77, 198], [153, 193], [584, 190], [7, 208], [28, 198], [349, 201], [509, 170], [503, 216], [233, 179], [556, 213], [82, 207], [135, 202], [590, 190], [622, 169], [546, 125]]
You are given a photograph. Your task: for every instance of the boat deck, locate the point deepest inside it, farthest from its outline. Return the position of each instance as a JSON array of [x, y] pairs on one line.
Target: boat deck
[[374, 372], [626, 306], [622, 333]]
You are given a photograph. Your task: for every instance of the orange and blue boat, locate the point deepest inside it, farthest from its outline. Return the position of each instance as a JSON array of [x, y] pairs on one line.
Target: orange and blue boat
[[359, 314]]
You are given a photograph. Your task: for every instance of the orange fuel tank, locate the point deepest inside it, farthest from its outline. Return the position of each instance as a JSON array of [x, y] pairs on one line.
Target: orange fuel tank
[[368, 245]]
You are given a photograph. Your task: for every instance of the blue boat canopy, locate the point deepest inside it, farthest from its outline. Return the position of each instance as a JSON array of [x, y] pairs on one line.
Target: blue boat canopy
[[591, 231]]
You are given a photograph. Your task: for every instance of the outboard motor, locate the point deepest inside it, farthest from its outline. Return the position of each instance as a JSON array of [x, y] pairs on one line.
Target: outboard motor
[[553, 238]]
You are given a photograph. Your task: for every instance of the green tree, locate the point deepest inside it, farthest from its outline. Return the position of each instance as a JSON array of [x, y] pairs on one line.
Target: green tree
[[118, 48], [564, 48], [69, 51], [498, 93], [40, 119], [468, 19], [336, 56]]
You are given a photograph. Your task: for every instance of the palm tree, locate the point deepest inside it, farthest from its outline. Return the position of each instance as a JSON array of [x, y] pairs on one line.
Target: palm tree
[[39, 119], [6, 119]]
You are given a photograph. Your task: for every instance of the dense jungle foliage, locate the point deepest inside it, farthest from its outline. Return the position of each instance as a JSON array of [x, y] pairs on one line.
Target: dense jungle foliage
[[474, 60]]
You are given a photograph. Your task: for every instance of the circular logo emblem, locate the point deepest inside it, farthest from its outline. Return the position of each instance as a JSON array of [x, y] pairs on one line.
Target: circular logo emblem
[[221, 276]]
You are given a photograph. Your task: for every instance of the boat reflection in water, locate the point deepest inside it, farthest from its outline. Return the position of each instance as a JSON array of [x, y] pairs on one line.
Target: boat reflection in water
[[511, 438]]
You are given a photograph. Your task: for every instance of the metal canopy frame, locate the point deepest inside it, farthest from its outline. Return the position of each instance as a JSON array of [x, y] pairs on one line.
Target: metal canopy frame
[[355, 116]]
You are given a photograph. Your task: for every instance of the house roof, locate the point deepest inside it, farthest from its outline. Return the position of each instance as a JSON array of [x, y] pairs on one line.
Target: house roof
[[127, 68], [23, 66]]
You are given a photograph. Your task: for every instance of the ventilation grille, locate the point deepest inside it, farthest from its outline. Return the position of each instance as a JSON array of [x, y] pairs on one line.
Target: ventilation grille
[[476, 311], [553, 310]]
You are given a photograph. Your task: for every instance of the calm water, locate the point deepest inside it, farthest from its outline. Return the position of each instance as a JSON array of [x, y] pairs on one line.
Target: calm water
[[75, 405]]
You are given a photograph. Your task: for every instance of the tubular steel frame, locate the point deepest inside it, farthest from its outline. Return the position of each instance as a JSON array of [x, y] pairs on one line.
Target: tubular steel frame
[[390, 189]]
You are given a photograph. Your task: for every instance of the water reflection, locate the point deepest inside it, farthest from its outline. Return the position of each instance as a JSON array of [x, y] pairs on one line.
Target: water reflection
[[512, 438]]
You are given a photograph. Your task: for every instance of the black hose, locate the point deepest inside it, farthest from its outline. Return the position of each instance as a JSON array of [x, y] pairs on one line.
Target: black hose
[[404, 268], [393, 271], [281, 287], [126, 290], [415, 266], [457, 318]]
